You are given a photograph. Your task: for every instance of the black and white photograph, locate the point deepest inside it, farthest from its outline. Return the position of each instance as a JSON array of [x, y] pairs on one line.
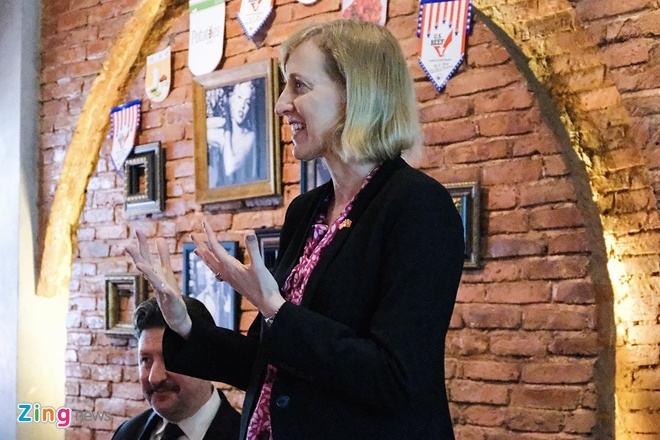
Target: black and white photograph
[[200, 283], [236, 133]]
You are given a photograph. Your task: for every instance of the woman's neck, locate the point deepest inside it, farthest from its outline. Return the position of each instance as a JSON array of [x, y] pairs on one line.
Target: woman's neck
[[347, 179]]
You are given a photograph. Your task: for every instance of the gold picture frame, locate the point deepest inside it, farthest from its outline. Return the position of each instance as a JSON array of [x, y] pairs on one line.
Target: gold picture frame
[[123, 293], [236, 133], [467, 199], [144, 180]]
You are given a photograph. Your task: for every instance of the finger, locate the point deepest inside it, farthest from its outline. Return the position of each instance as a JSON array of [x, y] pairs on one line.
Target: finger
[[218, 251], [252, 246], [143, 246], [164, 255]]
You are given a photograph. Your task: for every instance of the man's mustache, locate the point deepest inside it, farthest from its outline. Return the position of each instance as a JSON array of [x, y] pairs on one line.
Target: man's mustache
[[162, 387]]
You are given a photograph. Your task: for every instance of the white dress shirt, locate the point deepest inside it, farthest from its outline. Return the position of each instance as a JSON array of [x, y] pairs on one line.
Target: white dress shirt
[[195, 426]]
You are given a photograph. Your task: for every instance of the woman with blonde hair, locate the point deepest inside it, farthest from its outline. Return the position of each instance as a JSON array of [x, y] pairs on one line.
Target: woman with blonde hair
[[349, 342]]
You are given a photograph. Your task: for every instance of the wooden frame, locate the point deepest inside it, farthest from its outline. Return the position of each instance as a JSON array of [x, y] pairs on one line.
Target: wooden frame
[[123, 293], [312, 174], [236, 133], [269, 245], [199, 282], [144, 180], [466, 196]]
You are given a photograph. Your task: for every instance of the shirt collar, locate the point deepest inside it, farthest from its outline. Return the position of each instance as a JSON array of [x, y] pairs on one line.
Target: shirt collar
[[195, 426]]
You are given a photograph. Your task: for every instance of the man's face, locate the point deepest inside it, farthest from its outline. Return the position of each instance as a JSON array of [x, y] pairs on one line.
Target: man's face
[[173, 396]]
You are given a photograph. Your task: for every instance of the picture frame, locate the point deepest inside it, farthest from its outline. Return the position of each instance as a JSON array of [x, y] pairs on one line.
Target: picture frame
[[236, 133], [466, 196], [199, 282], [144, 180], [313, 173], [123, 293], [269, 245]]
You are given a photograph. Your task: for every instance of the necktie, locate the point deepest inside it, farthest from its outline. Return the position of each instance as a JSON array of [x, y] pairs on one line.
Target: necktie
[[172, 432]]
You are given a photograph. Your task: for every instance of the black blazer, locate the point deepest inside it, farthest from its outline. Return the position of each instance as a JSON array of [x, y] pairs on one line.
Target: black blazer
[[225, 424], [363, 356]]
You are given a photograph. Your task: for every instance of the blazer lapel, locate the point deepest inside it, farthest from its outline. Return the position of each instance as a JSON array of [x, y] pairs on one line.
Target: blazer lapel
[[360, 205], [152, 423]]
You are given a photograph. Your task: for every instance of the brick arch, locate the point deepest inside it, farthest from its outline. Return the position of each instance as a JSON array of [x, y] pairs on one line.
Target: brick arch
[[616, 200], [139, 37]]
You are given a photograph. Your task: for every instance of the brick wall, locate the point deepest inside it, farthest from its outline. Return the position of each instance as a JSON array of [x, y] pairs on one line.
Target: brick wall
[[524, 341]]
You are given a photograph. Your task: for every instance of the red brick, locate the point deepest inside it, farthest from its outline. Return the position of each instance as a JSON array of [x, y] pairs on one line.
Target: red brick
[[595, 9], [508, 222], [549, 317], [534, 420], [478, 392], [501, 197], [567, 242], [556, 217], [521, 292], [546, 397], [575, 344], [513, 97], [487, 316], [510, 246], [517, 344], [574, 292], [512, 171], [508, 123], [557, 372], [482, 415], [448, 132], [485, 78], [491, 371]]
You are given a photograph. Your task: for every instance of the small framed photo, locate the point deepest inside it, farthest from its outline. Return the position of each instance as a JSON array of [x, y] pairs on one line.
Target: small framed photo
[[236, 133], [269, 245], [313, 173], [199, 282], [123, 293], [466, 196], [144, 180]]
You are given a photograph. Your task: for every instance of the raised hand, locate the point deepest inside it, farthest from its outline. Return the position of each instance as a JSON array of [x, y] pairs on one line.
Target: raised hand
[[253, 281], [161, 277]]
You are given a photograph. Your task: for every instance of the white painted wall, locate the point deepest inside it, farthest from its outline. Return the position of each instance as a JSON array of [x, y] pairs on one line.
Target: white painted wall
[[32, 348]]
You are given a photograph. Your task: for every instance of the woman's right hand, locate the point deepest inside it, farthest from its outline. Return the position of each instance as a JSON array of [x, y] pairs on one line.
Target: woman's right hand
[[161, 277]]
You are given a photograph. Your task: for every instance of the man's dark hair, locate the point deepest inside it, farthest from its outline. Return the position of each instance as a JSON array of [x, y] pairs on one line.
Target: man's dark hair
[[148, 314]]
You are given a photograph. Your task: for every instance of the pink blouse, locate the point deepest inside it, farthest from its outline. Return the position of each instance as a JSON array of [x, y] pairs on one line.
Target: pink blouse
[[294, 286]]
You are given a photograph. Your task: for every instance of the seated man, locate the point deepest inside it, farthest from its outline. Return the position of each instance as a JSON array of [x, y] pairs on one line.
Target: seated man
[[182, 407]]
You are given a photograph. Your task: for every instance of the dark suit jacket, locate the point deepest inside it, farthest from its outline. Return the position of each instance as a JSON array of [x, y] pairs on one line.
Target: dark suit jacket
[[363, 356], [225, 424]]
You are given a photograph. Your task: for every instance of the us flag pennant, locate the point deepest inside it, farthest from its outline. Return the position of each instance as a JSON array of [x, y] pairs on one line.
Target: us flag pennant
[[442, 29], [253, 14], [124, 122]]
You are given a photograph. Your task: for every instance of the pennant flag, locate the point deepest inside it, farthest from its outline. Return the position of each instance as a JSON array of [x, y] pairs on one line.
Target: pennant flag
[[442, 29], [207, 35], [374, 11], [124, 122], [253, 14], [158, 77]]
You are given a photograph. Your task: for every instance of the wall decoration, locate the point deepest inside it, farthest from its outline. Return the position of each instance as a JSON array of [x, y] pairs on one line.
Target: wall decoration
[[253, 14], [206, 38], [158, 76], [123, 293], [374, 11], [269, 245], [200, 283], [313, 173], [237, 136], [466, 196], [442, 29], [144, 180], [124, 123]]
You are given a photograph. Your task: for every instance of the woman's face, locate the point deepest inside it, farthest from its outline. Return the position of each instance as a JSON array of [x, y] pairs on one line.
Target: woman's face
[[239, 101], [311, 102]]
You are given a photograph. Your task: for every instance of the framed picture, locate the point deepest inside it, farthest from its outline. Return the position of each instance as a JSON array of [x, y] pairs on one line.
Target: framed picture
[[144, 180], [269, 245], [467, 200], [123, 293], [236, 133], [199, 282], [312, 174]]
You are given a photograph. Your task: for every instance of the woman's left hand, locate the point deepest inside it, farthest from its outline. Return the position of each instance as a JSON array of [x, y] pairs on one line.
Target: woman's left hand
[[253, 281]]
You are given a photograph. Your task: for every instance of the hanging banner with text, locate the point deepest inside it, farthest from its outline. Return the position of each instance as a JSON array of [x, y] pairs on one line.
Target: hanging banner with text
[[158, 78], [442, 29], [124, 123], [253, 14], [207, 35]]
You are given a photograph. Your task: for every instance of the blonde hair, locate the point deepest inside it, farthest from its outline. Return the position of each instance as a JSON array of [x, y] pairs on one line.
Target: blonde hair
[[381, 119]]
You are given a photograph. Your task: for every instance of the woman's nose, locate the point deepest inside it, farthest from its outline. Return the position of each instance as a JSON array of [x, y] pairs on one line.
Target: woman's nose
[[284, 103]]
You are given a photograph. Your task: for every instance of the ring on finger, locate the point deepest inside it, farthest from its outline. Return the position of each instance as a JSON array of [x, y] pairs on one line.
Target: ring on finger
[[218, 276]]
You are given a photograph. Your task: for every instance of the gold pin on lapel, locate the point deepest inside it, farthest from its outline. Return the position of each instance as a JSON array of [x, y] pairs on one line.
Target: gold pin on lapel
[[345, 224]]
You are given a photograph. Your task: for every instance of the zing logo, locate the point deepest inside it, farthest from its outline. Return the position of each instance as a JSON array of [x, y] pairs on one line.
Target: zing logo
[[35, 413]]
